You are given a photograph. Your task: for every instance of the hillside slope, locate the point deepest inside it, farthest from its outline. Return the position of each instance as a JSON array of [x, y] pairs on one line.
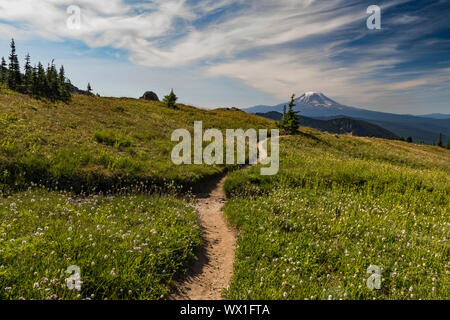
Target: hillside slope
[[101, 143], [338, 206]]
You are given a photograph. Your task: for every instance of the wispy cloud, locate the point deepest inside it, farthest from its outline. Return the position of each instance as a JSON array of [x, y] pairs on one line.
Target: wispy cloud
[[115, 23]]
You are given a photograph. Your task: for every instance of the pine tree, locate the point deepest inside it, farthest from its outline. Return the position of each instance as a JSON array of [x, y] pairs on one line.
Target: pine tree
[[41, 82], [3, 71], [440, 142], [170, 100], [291, 121], [28, 76], [89, 89], [410, 140], [35, 81], [52, 81], [14, 75], [63, 87]]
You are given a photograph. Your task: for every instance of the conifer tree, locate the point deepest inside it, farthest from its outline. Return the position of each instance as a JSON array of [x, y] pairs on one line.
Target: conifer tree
[[14, 75], [41, 81], [3, 71], [63, 87], [89, 89], [170, 100], [291, 121], [35, 81], [52, 81], [28, 76], [440, 143]]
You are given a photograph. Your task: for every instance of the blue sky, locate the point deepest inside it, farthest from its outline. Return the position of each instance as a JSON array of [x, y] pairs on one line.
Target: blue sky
[[224, 53]]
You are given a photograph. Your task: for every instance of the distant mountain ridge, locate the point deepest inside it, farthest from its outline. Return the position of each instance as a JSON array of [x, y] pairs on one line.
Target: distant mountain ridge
[[436, 116], [319, 106], [357, 128]]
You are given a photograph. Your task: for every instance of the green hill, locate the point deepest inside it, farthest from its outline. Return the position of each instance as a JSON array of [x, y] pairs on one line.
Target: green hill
[[101, 143]]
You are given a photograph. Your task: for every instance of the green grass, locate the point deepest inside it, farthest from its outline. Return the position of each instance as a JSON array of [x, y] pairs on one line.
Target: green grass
[[339, 205], [127, 247], [91, 183], [73, 179]]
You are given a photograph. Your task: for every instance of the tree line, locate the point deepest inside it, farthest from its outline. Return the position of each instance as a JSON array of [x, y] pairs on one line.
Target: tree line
[[36, 81], [439, 143]]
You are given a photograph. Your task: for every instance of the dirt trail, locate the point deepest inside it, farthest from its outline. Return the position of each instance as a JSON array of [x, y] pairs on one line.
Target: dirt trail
[[213, 270]]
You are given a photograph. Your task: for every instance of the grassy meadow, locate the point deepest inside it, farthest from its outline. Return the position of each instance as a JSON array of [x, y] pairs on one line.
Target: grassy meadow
[[101, 144], [127, 247], [90, 183], [339, 205]]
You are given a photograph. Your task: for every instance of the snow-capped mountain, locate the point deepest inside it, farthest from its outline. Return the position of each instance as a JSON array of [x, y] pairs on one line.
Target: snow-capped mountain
[[317, 99], [319, 106], [310, 104]]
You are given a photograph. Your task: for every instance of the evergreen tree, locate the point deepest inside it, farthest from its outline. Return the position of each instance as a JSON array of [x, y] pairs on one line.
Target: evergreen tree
[[291, 121], [28, 76], [41, 82], [440, 143], [89, 89], [3, 71], [35, 81], [63, 87], [14, 75], [52, 81], [170, 100], [410, 140]]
